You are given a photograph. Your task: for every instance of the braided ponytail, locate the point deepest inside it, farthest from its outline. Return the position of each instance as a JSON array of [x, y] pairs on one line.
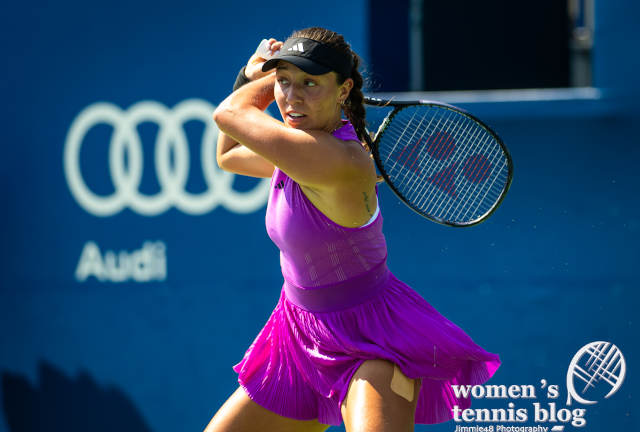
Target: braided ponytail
[[353, 106]]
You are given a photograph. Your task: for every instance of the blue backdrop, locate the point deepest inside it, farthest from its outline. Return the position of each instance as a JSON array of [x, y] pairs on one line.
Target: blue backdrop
[[134, 275]]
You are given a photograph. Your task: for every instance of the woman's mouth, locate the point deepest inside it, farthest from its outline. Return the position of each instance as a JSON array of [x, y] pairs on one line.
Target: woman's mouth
[[295, 117]]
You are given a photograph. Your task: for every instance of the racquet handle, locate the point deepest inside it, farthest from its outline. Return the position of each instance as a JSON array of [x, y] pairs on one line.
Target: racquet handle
[[264, 50]]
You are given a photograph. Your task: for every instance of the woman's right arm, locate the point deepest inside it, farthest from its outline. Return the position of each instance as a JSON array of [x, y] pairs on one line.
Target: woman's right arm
[[234, 157]]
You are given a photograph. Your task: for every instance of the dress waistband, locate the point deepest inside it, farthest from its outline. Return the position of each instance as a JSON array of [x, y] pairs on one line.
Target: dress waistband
[[340, 295]]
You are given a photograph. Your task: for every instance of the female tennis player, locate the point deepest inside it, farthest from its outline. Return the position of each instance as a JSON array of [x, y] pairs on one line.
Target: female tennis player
[[347, 341]]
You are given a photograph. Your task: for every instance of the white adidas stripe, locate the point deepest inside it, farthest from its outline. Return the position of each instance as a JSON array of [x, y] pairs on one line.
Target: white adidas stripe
[[297, 47]]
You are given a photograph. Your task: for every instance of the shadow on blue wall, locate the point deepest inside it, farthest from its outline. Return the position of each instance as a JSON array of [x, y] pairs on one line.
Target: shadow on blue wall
[[59, 402]]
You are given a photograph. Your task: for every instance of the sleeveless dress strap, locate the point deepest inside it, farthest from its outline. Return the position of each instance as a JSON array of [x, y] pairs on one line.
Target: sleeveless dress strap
[[346, 133]]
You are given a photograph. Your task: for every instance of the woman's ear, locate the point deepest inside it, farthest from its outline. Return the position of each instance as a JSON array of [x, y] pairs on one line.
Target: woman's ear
[[345, 89]]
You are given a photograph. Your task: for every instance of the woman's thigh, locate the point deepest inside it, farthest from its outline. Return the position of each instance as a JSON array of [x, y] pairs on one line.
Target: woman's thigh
[[240, 414], [372, 405]]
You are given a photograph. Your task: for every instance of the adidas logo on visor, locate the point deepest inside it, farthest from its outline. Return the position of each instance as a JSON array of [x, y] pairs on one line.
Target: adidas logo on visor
[[297, 47]]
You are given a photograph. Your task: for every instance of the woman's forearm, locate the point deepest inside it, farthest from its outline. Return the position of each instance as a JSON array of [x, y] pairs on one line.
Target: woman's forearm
[[258, 93], [231, 113], [225, 143]]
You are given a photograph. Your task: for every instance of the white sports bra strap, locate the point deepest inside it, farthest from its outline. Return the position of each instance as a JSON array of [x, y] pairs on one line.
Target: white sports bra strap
[[375, 214]]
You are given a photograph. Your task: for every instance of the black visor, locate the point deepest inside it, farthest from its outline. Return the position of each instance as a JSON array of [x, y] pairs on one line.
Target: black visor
[[311, 56]]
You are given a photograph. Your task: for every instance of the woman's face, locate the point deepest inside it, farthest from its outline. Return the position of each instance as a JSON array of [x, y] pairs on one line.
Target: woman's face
[[308, 101]]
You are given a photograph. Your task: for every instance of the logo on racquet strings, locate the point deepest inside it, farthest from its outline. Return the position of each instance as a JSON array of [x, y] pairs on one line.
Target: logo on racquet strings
[[171, 150], [441, 146]]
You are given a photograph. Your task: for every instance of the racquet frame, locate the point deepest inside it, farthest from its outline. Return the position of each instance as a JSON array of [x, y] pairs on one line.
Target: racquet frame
[[399, 106]]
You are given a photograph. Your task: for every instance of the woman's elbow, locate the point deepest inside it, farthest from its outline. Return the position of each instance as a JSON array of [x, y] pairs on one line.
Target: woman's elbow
[[218, 114], [223, 114]]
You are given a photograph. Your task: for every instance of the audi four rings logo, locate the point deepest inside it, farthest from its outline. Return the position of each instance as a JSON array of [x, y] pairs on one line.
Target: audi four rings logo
[[172, 177]]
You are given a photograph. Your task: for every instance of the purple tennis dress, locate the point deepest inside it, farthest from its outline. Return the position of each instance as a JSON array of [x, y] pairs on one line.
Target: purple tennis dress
[[339, 306]]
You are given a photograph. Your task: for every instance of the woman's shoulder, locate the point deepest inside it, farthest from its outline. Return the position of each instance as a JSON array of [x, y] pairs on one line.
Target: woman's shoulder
[[351, 154]]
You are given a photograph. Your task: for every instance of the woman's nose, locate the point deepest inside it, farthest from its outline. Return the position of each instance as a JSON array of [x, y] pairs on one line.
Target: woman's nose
[[293, 93]]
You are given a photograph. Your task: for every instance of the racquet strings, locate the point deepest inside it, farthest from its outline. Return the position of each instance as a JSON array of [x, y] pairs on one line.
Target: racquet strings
[[445, 164]]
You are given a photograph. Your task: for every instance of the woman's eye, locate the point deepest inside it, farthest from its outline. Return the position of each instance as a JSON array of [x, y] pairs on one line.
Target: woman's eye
[[283, 81], [310, 83]]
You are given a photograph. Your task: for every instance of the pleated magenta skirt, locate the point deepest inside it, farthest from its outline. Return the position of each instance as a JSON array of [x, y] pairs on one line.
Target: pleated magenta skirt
[[300, 364]]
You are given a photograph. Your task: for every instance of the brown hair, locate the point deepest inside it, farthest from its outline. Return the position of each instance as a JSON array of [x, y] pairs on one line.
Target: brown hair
[[353, 106]]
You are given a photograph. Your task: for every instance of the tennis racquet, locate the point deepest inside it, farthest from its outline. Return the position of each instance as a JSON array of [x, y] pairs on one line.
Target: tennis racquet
[[441, 161]]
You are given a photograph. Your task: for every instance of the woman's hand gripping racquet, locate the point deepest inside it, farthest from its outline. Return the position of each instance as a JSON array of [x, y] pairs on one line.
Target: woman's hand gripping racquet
[[441, 161]]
